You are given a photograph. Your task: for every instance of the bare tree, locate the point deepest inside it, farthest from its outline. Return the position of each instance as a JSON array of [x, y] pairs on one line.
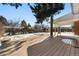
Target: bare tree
[[12, 27]]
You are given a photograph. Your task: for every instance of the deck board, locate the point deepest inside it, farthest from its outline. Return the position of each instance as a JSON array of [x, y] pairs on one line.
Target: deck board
[[76, 51], [60, 52], [72, 52], [52, 47]]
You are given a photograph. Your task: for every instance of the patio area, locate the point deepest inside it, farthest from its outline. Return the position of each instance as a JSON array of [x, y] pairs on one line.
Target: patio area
[[52, 47]]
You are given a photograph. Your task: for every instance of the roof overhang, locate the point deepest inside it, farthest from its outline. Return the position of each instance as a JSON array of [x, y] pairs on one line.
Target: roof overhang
[[66, 19], [69, 18]]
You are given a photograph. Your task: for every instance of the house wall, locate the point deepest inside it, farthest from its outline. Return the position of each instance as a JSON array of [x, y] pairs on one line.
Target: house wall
[[76, 27]]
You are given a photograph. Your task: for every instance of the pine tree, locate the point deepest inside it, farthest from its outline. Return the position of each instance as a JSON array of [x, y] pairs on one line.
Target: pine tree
[[42, 11]]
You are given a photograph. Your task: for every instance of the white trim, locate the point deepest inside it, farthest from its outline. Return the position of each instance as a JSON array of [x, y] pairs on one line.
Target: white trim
[[66, 19]]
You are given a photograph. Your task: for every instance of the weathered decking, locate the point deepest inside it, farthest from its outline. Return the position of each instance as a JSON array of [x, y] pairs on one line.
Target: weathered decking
[[52, 47]]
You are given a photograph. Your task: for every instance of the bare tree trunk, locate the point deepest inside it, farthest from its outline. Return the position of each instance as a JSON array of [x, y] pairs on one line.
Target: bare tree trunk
[[51, 27]]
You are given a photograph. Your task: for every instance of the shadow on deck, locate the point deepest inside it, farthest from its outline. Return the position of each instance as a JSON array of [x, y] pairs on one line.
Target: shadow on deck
[[52, 47]]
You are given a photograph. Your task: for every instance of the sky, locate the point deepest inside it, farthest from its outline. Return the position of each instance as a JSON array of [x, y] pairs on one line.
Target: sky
[[25, 13]]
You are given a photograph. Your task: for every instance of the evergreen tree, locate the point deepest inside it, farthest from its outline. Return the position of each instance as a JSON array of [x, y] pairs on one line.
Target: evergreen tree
[[25, 27], [42, 11], [24, 24]]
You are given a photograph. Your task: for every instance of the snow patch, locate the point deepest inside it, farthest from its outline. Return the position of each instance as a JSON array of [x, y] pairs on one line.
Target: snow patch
[[19, 37], [16, 37]]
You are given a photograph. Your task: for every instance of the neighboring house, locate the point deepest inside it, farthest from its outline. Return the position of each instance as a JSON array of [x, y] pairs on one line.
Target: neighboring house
[[38, 28]]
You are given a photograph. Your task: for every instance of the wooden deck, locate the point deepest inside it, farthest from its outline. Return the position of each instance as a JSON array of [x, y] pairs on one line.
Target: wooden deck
[[52, 47]]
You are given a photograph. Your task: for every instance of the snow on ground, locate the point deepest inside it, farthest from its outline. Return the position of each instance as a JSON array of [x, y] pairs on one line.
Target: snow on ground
[[68, 34], [67, 41], [17, 37], [21, 36]]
